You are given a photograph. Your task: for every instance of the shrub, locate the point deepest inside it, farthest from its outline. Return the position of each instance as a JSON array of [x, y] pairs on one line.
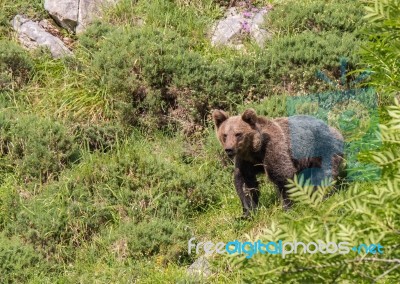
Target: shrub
[[98, 136], [135, 182], [37, 148], [158, 74], [94, 34], [9, 199], [63, 218], [161, 79], [152, 237], [19, 262], [16, 66], [295, 59], [317, 16]]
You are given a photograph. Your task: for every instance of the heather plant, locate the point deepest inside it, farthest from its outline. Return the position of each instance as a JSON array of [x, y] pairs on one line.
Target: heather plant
[[154, 74], [153, 237], [294, 17], [18, 261], [128, 189], [35, 148], [100, 137], [16, 66]]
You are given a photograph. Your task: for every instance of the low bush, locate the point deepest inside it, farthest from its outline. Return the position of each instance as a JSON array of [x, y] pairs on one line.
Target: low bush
[[160, 79], [37, 148], [9, 199], [295, 59], [100, 137], [16, 66], [317, 16], [19, 263], [136, 181], [153, 237]]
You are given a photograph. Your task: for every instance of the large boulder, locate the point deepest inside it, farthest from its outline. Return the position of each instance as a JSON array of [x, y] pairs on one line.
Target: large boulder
[[76, 15], [32, 35]]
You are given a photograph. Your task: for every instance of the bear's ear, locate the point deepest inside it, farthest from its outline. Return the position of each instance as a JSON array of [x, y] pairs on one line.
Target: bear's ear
[[219, 116], [250, 116]]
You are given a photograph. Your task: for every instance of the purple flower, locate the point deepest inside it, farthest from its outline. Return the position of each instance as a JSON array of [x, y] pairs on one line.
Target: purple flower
[[254, 10], [247, 14], [245, 27]]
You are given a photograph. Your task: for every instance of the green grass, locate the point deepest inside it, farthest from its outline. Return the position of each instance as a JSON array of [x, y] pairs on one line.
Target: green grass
[[109, 161]]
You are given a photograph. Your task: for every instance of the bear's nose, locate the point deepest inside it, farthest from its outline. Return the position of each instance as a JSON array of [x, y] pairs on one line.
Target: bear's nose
[[229, 151]]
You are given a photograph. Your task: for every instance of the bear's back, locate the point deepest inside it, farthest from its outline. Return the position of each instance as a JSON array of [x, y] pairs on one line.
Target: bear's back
[[310, 137]]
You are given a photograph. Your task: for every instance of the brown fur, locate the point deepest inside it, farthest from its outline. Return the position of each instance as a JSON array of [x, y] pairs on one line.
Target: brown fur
[[262, 145]]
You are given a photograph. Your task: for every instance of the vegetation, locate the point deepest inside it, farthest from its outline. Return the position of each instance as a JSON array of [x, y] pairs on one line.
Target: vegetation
[[380, 53], [109, 163]]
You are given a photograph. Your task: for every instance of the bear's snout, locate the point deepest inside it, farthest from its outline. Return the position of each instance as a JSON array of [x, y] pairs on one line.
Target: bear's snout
[[230, 152]]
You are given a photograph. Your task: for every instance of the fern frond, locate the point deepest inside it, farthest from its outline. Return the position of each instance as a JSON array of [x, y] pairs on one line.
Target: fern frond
[[304, 192]]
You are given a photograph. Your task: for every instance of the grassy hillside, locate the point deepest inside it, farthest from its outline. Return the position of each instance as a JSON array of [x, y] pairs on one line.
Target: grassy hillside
[[109, 162]]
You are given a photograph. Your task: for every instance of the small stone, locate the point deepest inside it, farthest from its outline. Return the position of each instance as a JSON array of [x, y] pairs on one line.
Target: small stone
[[200, 268]]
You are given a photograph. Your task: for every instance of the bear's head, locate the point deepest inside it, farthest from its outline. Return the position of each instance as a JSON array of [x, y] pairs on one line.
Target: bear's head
[[238, 134]]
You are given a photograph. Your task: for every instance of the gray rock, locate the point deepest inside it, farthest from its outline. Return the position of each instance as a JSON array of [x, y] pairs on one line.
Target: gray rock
[[32, 35], [200, 268], [229, 30], [64, 12], [76, 15], [89, 10]]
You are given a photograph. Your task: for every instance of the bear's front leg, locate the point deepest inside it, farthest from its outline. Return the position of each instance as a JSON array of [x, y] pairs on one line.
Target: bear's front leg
[[287, 203], [247, 187]]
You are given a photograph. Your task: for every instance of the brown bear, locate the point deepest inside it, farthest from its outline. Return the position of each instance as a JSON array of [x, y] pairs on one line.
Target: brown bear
[[281, 148]]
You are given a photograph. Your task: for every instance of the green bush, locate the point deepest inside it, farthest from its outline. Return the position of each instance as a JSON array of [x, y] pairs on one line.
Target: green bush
[[295, 59], [9, 199], [154, 236], [156, 73], [16, 66], [317, 16], [19, 262], [37, 148], [160, 79], [136, 181], [98, 136], [93, 35], [65, 217]]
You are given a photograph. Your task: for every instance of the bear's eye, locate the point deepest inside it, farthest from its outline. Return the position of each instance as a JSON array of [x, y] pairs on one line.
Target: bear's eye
[[224, 137], [238, 135]]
